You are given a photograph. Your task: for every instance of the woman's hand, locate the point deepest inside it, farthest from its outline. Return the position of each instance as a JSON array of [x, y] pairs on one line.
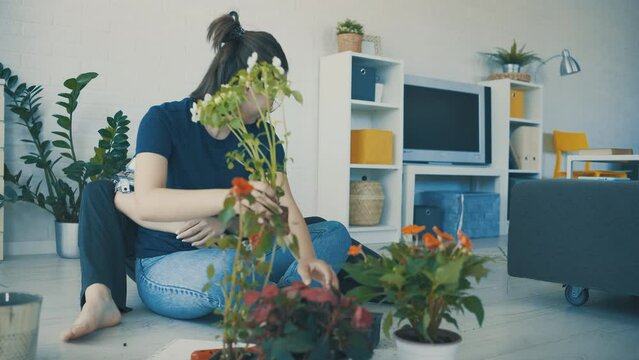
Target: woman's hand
[[316, 269], [266, 202], [197, 232]]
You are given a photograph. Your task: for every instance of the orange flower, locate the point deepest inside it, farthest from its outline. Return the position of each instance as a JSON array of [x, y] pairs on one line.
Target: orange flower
[[430, 241], [464, 240], [355, 250], [443, 235], [241, 186], [413, 229]]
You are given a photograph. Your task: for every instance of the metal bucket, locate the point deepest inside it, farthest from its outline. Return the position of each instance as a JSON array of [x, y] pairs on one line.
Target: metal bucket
[[66, 240], [19, 323]]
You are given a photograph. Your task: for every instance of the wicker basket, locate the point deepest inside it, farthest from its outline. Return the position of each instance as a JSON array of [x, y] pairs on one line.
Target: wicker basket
[[349, 42], [366, 203], [513, 76]]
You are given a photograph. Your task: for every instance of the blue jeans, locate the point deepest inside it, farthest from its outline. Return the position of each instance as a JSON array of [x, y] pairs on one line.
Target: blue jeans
[[171, 285]]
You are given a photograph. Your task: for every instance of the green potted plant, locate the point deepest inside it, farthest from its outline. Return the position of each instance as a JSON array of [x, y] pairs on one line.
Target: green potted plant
[[513, 59], [349, 36], [63, 194], [425, 284], [259, 233], [300, 322]]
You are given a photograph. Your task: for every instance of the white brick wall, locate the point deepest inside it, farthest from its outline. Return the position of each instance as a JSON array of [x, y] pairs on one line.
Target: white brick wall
[[152, 51]]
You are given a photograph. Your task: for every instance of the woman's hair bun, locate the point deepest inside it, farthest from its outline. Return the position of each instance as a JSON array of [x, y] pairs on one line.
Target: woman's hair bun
[[225, 29]]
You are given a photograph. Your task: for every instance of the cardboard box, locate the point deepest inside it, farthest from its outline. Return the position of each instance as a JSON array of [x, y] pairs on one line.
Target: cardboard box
[[517, 104], [371, 146]]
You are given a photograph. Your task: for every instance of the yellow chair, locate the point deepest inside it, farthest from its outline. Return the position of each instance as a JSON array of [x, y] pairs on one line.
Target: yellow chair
[[573, 142]]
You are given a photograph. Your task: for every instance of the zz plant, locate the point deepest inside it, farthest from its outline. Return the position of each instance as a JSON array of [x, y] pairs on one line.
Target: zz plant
[[63, 194]]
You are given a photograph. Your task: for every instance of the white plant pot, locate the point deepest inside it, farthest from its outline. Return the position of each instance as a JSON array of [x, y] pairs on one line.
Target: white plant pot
[[511, 68], [412, 350], [66, 240]]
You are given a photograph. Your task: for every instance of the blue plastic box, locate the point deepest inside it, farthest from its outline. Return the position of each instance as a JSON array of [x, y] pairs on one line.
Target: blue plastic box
[[481, 211], [363, 83]]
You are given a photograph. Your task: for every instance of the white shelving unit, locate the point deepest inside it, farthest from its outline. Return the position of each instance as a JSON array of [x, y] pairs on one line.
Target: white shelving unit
[[338, 115], [2, 165], [504, 124]]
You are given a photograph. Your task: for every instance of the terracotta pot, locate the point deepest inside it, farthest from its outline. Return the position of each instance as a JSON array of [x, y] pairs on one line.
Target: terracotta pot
[[209, 353], [445, 347], [349, 42]]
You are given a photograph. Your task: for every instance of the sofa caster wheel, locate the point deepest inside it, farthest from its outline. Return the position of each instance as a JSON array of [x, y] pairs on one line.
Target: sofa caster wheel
[[576, 295]]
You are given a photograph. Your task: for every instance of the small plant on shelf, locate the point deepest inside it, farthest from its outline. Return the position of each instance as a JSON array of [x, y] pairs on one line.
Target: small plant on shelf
[[349, 35], [349, 26], [514, 56]]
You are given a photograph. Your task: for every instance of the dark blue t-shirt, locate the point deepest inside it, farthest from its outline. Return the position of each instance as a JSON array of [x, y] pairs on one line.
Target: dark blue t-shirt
[[195, 161]]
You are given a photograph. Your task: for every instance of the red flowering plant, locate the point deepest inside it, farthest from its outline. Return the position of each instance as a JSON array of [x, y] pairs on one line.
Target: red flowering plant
[[300, 322], [259, 232], [425, 282]]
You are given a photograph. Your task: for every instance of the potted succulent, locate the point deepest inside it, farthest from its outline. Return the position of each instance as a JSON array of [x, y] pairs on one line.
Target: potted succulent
[[425, 283], [513, 59], [63, 194], [259, 233], [300, 322], [349, 36]]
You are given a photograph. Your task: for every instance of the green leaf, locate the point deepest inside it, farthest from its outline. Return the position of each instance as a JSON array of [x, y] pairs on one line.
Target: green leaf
[[106, 133], [449, 272], [10, 194], [476, 270], [206, 287], [66, 106], [226, 215], [61, 144], [210, 271], [85, 78], [299, 342], [393, 278], [298, 96], [450, 319], [226, 242], [62, 134], [12, 81], [365, 274], [388, 322], [63, 121], [359, 347], [364, 293], [71, 84], [473, 304]]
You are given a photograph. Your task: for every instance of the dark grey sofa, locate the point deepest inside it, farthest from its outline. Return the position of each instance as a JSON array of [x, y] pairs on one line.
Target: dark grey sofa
[[581, 233]]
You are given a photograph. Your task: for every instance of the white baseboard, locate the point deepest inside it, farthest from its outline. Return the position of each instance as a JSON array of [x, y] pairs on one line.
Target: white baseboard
[[14, 248]]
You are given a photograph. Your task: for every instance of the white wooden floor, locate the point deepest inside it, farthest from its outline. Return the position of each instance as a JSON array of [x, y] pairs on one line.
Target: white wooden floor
[[525, 319]]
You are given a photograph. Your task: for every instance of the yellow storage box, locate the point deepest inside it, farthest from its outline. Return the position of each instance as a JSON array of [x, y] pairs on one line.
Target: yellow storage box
[[371, 146], [517, 104]]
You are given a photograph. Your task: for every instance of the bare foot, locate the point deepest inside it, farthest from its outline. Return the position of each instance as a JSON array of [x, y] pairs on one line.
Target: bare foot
[[98, 312]]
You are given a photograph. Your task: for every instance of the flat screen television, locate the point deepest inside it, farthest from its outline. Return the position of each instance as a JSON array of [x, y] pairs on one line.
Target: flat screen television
[[446, 121]]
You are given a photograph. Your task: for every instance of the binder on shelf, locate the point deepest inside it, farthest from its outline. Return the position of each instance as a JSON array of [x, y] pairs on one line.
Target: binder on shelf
[[602, 178], [517, 104], [605, 152], [524, 147]]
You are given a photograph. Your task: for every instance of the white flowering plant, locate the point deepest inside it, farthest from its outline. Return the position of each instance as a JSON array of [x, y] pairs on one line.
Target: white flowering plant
[[223, 110], [259, 233]]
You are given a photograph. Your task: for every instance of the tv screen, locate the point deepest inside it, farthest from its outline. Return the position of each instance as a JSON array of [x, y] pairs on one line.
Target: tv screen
[[446, 121], [437, 119]]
